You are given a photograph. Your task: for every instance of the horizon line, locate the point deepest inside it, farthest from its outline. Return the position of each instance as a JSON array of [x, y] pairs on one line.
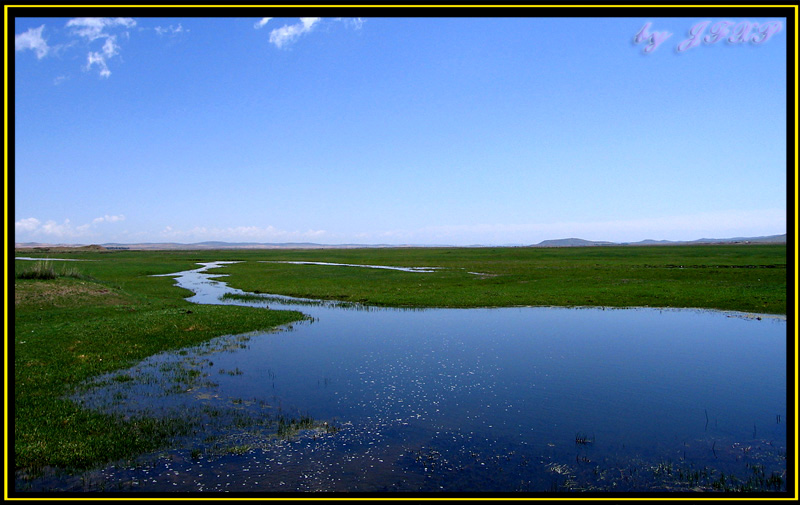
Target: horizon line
[[568, 241]]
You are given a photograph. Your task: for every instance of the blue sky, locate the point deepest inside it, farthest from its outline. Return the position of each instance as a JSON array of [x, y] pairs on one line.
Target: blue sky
[[440, 130]]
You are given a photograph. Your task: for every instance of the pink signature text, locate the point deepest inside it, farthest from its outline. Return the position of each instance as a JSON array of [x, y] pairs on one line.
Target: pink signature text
[[710, 33]]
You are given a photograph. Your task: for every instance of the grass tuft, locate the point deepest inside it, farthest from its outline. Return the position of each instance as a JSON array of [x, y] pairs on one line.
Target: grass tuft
[[45, 270]]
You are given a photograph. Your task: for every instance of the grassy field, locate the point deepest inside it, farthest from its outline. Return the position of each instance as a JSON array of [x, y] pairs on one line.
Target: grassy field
[[749, 278], [92, 317]]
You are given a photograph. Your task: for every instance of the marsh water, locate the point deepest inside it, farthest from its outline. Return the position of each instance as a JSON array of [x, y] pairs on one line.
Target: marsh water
[[523, 399]]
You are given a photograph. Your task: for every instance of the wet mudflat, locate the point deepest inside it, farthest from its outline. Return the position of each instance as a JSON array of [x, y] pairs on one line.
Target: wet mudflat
[[459, 400]]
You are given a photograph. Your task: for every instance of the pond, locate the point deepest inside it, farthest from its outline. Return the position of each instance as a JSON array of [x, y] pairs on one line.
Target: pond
[[524, 399]]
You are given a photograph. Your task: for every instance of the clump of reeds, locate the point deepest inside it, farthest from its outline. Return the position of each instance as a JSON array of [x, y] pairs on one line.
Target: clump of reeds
[[44, 270], [41, 270]]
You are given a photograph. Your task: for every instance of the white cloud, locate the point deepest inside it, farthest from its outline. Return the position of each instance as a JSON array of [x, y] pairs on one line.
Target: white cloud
[[32, 39], [93, 29], [108, 219], [260, 23], [89, 31], [355, 23], [170, 30], [27, 224], [30, 227], [59, 230], [110, 48], [289, 33], [100, 61]]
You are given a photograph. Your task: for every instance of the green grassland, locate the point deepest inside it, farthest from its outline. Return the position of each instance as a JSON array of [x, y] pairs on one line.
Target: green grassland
[[750, 278], [97, 316]]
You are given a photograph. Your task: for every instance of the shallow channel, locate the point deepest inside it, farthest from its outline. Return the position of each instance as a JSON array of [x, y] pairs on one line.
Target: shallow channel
[[524, 399]]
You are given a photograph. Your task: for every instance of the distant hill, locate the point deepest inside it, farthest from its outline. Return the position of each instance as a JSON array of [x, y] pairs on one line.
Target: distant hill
[[577, 242], [59, 247], [772, 239], [572, 242]]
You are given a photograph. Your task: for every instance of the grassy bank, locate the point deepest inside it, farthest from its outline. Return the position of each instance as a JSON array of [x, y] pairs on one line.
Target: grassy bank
[[90, 317]]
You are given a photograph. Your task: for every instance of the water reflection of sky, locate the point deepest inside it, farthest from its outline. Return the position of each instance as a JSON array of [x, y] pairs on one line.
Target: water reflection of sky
[[513, 383]]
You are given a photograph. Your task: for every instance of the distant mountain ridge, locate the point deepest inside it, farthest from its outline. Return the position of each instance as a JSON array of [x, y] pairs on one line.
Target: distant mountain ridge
[[577, 242], [565, 242]]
